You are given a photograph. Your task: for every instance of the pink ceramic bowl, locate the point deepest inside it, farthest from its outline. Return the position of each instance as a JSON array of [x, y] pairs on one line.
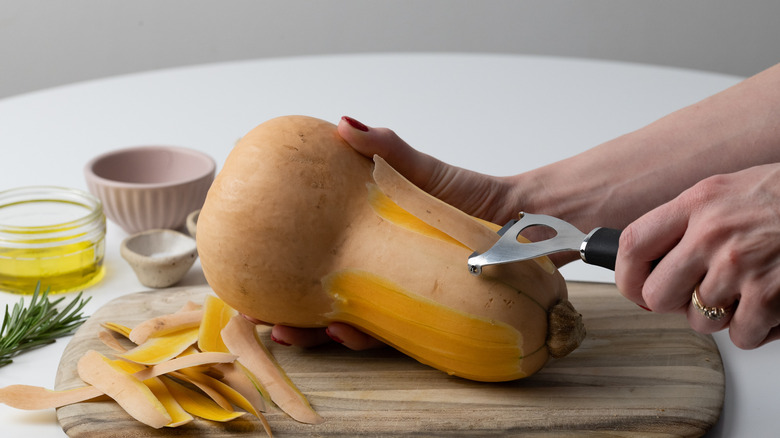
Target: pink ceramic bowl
[[148, 187]]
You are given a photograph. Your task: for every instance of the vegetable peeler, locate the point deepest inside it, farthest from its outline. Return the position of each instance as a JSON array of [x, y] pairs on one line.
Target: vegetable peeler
[[599, 247]]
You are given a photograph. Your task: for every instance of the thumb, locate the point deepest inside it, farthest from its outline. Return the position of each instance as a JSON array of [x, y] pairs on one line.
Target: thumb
[[474, 193], [417, 167]]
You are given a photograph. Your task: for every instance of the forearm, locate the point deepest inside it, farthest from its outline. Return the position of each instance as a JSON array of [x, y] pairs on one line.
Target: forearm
[[618, 181]]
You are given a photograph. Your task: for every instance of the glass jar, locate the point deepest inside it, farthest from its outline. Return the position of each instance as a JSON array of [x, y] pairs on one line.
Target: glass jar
[[51, 235]]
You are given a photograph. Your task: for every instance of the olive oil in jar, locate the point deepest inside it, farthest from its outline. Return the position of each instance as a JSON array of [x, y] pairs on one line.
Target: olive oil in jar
[[51, 235]]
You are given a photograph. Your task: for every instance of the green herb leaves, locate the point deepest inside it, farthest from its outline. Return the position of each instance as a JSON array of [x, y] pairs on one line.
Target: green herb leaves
[[38, 324]]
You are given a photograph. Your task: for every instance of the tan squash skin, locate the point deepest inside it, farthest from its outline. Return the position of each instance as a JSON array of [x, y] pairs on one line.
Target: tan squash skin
[[290, 208]]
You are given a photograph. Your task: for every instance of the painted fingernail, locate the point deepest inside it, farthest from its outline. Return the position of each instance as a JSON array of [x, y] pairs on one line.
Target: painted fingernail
[[332, 336], [279, 341], [355, 124], [649, 310]]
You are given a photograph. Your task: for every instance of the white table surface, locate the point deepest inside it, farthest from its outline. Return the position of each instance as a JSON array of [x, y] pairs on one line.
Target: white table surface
[[491, 113]]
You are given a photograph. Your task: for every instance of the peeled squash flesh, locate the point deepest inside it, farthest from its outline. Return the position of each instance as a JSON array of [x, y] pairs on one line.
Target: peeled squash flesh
[[301, 230]]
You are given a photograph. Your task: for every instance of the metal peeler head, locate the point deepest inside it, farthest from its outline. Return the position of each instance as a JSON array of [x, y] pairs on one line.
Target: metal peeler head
[[509, 249]]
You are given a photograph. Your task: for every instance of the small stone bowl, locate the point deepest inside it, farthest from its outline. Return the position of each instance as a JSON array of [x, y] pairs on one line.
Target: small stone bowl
[[192, 222], [160, 258]]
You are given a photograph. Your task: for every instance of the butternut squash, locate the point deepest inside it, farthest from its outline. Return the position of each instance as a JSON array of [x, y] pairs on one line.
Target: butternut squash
[[299, 229]]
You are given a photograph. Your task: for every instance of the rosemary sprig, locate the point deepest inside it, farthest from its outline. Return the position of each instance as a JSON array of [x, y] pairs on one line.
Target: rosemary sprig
[[38, 324]]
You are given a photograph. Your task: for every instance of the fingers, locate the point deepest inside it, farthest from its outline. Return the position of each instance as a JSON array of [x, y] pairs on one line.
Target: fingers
[[704, 317], [757, 315], [341, 333], [657, 265], [750, 324], [734, 275], [773, 335], [351, 337], [720, 237], [300, 337]]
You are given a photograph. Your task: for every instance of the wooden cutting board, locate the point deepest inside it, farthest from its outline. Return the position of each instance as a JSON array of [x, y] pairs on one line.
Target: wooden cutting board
[[636, 373]]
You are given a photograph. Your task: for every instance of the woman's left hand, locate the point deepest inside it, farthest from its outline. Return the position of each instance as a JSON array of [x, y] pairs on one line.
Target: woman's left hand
[[723, 234]]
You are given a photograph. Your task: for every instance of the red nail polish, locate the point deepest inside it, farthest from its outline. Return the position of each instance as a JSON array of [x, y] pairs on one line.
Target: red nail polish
[[649, 310], [355, 124], [335, 338], [279, 341]]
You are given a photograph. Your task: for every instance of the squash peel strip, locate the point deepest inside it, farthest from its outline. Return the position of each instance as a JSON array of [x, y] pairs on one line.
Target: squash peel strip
[[474, 233], [152, 392], [165, 324], [430, 210], [117, 328], [188, 361], [179, 415], [226, 391], [161, 348], [238, 378], [111, 342], [33, 398], [205, 388], [241, 339], [216, 315], [197, 404], [129, 392]]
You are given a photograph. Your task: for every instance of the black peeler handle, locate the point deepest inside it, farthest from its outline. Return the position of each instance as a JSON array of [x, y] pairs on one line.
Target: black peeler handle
[[600, 247]]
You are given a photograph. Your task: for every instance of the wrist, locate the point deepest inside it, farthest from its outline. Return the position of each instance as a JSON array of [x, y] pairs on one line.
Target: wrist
[[566, 190], [607, 186]]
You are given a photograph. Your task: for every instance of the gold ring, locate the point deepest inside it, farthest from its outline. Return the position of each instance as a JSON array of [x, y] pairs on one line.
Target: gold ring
[[711, 313]]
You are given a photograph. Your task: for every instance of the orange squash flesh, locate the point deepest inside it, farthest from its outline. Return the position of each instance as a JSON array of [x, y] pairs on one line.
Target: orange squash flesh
[[475, 344]]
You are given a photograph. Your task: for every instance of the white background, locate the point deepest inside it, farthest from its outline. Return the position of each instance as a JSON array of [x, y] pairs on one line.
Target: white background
[[44, 43]]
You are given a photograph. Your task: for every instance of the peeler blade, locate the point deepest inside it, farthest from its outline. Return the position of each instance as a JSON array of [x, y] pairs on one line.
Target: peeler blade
[[509, 249]]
